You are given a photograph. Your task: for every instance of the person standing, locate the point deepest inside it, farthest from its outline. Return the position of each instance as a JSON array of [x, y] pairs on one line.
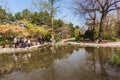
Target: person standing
[[28, 43], [25, 41], [15, 42]]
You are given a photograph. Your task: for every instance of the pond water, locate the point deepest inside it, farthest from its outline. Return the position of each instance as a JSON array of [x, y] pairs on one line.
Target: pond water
[[60, 63]]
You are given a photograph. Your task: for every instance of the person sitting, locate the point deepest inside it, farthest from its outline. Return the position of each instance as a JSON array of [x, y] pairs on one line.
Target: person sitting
[[3, 46], [98, 40], [39, 40]]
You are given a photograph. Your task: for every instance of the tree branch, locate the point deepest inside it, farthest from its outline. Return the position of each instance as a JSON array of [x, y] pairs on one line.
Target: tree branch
[[113, 3], [111, 10], [100, 3]]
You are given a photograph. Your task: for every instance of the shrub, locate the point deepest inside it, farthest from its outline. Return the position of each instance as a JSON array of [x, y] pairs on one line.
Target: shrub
[[2, 42], [77, 33], [89, 34], [115, 59], [79, 39], [115, 39]]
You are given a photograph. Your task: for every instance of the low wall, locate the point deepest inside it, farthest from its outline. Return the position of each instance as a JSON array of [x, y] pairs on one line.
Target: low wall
[[27, 49], [113, 44], [32, 48]]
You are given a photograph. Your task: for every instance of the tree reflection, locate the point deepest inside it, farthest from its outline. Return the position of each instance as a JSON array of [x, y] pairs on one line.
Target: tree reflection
[[25, 62], [102, 63], [100, 56], [65, 62]]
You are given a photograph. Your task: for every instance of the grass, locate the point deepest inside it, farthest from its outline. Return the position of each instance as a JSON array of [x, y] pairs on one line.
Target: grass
[[73, 40]]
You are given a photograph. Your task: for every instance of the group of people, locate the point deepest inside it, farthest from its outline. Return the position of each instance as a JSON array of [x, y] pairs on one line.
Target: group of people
[[21, 42], [41, 40]]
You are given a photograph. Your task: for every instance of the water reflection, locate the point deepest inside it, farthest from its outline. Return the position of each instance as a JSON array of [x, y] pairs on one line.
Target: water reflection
[[101, 60], [60, 63]]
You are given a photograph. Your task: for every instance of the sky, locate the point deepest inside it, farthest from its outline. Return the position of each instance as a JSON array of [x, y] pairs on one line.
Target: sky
[[64, 12]]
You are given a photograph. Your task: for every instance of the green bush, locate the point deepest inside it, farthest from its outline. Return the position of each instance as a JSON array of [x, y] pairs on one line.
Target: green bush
[[115, 39], [79, 39], [6, 41], [106, 36], [77, 33], [2, 42], [115, 59], [89, 34]]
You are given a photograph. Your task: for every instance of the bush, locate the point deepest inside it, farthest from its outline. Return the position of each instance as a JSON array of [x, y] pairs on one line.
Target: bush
[[77, 33], [6, 41], [115, 59], [89, 34], [79, 39], [115, 39], [2, 42]]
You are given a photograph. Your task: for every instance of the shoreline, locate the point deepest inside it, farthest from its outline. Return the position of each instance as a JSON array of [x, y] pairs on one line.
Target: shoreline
[[109, 44], [17, 50], [81, 44]]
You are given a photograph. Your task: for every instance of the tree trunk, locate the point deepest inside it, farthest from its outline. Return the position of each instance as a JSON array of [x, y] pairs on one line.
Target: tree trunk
[[93, 29], [101, 28], [52, 21]]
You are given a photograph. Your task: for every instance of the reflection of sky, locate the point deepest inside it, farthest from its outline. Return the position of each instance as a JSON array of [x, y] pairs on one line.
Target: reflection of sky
[[71, 67], [68, 68], [77, 56], [65, 11]]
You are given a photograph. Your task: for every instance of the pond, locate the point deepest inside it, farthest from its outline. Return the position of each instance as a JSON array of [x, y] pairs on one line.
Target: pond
[[61, 63]]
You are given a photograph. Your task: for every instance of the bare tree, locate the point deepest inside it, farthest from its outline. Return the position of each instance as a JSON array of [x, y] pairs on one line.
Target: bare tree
[[102, 7], [39, 5], [5, 5], [50, 7], [52, 13]]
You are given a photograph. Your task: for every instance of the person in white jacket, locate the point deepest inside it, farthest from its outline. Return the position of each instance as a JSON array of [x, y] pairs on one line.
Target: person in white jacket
[[28, 43]]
